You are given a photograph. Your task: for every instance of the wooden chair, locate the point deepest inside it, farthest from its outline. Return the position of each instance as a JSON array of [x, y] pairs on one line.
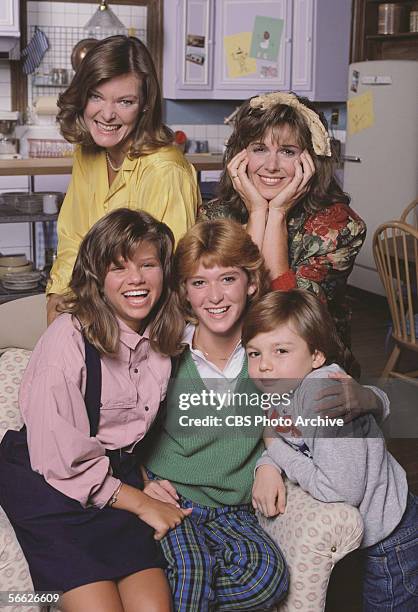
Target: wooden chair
[[410, 214], [395, 249]]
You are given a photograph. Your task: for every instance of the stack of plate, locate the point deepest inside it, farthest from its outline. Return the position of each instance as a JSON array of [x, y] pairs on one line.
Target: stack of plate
[[26, 281], [16, 264]]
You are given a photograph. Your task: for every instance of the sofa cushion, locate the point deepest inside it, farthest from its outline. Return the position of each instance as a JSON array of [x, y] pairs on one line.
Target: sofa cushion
[[12, 365]]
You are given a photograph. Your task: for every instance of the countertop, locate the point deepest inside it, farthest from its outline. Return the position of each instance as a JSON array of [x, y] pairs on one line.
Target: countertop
[[63, 165]]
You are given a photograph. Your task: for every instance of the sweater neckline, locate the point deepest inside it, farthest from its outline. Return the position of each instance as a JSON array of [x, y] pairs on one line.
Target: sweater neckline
[[194, 374]]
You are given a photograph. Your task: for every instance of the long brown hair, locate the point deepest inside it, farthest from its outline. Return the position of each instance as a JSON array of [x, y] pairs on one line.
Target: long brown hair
[[309, 316], [109, 58], [116, 236], [251, 125], [221, 242]]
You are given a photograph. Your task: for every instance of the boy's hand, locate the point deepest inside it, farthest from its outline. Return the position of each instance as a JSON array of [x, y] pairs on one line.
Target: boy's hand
[[161, 516], [269, 492]]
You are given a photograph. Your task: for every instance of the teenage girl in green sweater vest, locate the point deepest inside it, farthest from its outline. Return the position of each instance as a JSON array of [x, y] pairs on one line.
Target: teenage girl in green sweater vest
[[221, 557]]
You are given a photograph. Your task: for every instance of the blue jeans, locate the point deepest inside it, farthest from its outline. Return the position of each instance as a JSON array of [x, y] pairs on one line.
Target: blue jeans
[[391, 567]]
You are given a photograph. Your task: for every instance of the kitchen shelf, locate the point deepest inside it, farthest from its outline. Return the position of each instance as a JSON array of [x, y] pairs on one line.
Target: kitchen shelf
[[9, 215], [63, 165], [400, 35], [368, 44]]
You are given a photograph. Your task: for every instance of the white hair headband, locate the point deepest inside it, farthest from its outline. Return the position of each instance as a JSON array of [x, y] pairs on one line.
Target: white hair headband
[[320, 138]]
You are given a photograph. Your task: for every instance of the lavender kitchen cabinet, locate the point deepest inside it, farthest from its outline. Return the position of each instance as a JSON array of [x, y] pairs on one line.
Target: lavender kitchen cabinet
[[9, 18], [9, 28], [311, 58]]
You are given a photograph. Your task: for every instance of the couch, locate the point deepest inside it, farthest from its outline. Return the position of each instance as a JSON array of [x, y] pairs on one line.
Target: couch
[[313, 535]]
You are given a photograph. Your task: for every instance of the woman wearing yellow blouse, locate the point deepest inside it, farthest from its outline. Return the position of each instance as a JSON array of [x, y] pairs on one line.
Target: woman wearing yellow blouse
[[125, 156]]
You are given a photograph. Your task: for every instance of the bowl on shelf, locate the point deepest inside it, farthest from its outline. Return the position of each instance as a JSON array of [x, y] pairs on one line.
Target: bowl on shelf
[[13, 260]]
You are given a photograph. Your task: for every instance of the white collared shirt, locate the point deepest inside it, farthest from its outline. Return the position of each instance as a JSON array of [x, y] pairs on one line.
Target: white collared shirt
[[209, 370]]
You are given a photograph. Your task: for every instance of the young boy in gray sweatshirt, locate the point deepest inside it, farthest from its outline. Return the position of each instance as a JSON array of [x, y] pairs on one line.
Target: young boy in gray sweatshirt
[[293, 348]]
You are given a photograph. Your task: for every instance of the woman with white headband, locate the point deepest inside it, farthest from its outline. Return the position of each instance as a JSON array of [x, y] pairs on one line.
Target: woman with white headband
[[279, 178]]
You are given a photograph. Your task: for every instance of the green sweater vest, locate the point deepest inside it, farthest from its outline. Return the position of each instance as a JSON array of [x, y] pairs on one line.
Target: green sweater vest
[[208, 464]]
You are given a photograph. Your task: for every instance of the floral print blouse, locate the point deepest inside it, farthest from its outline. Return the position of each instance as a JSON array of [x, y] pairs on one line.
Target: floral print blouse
[[322, 249]]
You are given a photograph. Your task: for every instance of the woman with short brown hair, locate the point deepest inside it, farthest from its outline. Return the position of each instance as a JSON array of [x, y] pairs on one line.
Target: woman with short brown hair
[[124, 155]]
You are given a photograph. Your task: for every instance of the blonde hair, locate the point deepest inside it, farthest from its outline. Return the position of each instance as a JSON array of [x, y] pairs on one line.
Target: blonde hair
[[221, 242], [115, 236]]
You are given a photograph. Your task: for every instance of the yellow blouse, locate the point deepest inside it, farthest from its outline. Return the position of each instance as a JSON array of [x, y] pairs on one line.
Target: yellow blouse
[[162, 183]]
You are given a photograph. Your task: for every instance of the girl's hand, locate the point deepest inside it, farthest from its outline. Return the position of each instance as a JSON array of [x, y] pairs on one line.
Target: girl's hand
[[269, 492], [347, 398], [161, 516], [162, 490], [297, 186], [237, 170]]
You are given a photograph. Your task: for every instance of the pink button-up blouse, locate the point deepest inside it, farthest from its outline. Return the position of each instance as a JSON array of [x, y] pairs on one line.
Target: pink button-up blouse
[[52, 404]]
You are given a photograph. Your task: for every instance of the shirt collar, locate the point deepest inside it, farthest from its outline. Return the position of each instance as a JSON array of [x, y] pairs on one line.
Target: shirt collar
[[188, 340], [130, 164], [129, 337]]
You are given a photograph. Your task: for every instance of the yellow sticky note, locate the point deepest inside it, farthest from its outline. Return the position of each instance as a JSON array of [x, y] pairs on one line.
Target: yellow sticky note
[[360, 112], [237, 53]]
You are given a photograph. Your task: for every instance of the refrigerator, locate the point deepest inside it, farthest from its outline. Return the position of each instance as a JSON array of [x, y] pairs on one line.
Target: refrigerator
[[381, 158]]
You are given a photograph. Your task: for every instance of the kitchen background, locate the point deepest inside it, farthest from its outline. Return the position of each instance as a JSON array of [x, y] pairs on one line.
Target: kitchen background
[[200, 87]]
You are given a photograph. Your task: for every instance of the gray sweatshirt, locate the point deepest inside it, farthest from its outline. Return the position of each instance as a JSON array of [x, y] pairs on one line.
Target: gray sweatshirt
[[348, 463]]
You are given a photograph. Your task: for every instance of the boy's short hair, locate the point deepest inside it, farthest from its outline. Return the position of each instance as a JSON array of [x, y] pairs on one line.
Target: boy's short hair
[[309, 316]]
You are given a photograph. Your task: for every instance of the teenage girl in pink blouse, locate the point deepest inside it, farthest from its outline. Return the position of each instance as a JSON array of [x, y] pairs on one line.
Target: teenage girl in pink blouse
[[70, 480]]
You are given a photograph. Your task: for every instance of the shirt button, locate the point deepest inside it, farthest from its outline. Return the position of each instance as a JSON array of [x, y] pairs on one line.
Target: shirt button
[[136, 370], [147, 408]]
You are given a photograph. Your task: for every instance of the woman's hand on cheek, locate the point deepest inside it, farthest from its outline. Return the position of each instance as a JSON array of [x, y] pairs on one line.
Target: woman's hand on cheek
[[297, 186], [237, 170]]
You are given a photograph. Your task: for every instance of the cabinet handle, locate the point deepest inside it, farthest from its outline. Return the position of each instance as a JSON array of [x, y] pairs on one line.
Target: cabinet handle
[[352, 158]]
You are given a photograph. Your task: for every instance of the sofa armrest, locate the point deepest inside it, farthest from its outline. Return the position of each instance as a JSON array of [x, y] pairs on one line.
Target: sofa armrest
[[313, 537], [13, 363], [14, 572]]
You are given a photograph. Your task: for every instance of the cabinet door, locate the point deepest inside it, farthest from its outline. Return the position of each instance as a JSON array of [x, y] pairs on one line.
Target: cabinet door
[[253, 47], [9, 17], [195, 48], [302, 47]]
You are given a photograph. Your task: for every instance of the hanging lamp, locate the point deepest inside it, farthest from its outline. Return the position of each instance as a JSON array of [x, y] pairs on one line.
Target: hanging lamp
[[104, 23]]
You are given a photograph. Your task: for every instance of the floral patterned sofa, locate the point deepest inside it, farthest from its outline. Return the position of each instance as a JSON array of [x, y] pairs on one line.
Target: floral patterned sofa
[[313, 535]]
